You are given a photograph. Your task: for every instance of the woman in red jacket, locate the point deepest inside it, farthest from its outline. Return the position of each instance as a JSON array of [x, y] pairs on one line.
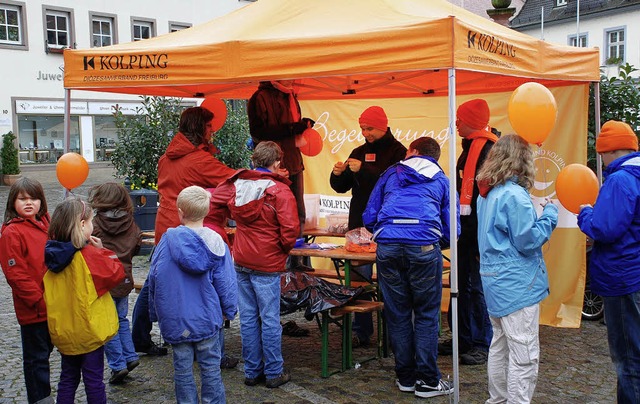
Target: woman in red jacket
[[22, 240]]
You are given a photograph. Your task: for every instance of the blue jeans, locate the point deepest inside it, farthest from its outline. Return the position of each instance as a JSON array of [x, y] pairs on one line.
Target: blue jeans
[[119, 350], [260, 329], [91, 365], [207, 354], [36, 349], [622, 314], [141, 328], [474, 326], [363, 322], [410, 279]]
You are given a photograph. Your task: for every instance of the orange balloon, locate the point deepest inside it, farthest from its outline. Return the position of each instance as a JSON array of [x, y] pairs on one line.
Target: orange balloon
[[314, 143], [576, 185], [532, 112], [219, 110], [72, 170]]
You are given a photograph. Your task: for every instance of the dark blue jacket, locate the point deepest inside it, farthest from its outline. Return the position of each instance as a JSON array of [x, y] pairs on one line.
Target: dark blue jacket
[[410, 204], [614, 225]]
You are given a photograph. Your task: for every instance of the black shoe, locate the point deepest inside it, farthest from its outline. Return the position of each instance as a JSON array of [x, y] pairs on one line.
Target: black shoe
[[445, 348], [475, 356], [227, 362], [132, 365], [425, 391], [153, 350], [278, 381], [357, 342], [118, 377], [252, 381]]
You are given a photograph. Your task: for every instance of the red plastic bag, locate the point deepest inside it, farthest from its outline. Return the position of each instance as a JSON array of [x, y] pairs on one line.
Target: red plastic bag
[[359, 240]]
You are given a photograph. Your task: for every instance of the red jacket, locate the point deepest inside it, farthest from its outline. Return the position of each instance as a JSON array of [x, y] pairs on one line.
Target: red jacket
[[266, 216], [22, 244], [183, 165]]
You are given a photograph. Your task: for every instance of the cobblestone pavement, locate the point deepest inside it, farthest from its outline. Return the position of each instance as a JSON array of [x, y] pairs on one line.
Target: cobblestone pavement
[[574, 367]]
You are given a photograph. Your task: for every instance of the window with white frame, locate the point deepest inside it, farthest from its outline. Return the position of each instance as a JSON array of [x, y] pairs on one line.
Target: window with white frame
[[582, 43], [12, 24], [142, 29], [560, 3], [103, 30], [58, 27], [615, 43], [178, 26]]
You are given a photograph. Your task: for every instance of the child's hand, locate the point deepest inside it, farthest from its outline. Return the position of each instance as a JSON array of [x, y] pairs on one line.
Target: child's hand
[[95, 241], [546, 201]]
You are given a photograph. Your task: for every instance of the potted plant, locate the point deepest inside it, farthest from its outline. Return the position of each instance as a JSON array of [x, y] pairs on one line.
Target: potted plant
[[10, 159]]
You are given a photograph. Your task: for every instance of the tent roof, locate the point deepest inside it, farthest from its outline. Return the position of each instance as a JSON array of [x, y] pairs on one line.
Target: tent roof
[[340, 49]]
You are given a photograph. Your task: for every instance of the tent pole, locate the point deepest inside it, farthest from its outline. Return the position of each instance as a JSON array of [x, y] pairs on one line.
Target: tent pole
[[67, 119], [453, 236], [596, 93]]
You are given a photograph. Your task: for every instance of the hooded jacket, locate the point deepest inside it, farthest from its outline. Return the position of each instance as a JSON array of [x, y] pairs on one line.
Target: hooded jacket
[[270, 118], [22, 244], [375, 157], [510, 238], [614, 225], [119, 233], [410, 204], [266, 216], [183, 165], [192, 285]]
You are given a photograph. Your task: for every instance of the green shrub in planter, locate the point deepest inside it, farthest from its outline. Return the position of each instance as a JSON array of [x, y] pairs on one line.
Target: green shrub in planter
[[231, 140], [9, 155]]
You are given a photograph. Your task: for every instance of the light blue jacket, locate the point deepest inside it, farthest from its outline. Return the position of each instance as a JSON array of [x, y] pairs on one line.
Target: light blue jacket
[[614, 225], [510, 238], [192, 284]]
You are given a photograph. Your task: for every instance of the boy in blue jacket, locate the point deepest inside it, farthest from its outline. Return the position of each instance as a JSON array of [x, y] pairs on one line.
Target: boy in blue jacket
[[408, 213], [191, 287], [614, 225]]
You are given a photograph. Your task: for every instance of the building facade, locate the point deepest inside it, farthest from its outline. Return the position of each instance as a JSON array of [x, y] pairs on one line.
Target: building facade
[[610, 25], [33, 36]]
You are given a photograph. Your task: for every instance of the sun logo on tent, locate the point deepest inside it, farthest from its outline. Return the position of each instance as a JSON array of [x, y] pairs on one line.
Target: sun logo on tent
[[546, 172]]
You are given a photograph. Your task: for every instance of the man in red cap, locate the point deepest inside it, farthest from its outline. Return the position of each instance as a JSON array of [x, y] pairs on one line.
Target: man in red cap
[[359, 174], [614, 225], [474, 326]]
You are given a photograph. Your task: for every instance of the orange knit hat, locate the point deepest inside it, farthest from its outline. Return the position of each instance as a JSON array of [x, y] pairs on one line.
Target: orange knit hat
[[474, 113], [374, 117], [616, 135]]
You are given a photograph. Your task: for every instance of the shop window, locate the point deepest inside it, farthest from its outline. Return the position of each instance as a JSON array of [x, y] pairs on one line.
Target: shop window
[[41, 138], [103, 30], [12, 25]]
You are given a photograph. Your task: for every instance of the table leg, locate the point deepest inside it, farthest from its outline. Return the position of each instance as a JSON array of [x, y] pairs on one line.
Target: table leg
[[325, 345], [347, 345]]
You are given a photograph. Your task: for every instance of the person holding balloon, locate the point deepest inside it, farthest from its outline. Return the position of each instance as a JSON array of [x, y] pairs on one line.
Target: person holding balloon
[[474, 327], [189, 160], [512, 268], [614, 225], [359, 174]]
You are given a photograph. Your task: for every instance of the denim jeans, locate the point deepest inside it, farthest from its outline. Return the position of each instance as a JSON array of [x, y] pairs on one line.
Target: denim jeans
[[260, 329], [119, 350], [92, 367], [363, 322], [36, 349], [474, 326], [207, 354], [410, 280], [141, 327], [622, 314]]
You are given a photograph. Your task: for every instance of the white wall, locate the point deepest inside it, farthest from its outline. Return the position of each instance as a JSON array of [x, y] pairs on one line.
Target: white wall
[[34, 74]]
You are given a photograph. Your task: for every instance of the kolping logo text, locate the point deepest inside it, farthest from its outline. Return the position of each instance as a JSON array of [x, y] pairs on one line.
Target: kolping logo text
[[126, 62]]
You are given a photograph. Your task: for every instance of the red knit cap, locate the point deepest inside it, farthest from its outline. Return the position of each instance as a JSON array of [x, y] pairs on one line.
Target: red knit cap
[[374, 117], [616, 135], [474, 113]]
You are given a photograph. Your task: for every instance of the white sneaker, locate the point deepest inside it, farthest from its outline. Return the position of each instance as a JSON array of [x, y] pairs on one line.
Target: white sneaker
[[425, 391], [405, 389]]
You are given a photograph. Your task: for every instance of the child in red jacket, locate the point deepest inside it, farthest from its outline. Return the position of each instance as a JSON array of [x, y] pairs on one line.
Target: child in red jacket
[[22, 240]]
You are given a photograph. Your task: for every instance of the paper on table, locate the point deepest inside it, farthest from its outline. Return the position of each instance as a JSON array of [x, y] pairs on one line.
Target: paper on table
[[327, 246]]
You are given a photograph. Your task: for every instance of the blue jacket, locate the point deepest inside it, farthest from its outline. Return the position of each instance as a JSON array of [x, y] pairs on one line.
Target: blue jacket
[[410, 204], [510, 239], [614, 225], [192, 284]]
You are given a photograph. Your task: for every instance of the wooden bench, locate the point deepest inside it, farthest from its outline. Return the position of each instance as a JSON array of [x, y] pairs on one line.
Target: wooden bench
[[357, 306]]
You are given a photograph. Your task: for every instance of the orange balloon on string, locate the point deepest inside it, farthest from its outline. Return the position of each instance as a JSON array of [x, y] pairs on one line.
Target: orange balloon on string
[[72, 170], [532, 112], [576, 185], [314, 144], [219, 110]]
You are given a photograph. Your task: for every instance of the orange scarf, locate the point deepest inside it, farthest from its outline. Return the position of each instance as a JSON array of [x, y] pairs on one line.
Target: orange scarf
[[479, 139]]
